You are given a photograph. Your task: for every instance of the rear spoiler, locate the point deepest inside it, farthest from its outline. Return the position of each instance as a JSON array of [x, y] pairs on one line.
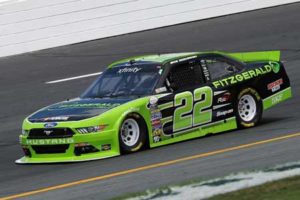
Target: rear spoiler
[[256, 56]]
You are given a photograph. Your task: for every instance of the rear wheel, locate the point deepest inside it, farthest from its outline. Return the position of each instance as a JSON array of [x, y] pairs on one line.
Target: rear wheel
[[248, 108], [132, 134]]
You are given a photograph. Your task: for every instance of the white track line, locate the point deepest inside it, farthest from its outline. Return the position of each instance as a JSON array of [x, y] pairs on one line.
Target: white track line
[[73, 78]]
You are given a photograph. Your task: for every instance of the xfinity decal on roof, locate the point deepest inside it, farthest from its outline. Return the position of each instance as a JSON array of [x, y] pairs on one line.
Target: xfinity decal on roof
[[129, 70]]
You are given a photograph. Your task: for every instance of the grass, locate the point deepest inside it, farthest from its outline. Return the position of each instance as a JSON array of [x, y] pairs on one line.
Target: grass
[[285, 189]]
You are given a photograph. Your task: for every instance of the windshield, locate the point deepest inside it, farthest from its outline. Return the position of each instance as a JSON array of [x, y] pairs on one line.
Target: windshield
[[133, 80]]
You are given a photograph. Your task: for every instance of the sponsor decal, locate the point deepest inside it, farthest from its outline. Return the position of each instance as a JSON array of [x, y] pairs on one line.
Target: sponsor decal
[[105, 147], [224, 98], [220, 106], [250, 90], [90, 105], [156, 115], [157, 132], [182, 59], [160, 90], [219, 92], [205, 70], [187, 58], [129, 70], [157, 127], [243, 76], [275, 66], [277, 98], [155, 122], [49, 141], [153, 100], [275, 86], [50, 125], [153, 104], [247, 124], [156, 139], [58, 118], [225, 112]]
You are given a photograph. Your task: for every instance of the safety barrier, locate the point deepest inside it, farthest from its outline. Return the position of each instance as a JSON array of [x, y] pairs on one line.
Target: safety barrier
[[31, 25]]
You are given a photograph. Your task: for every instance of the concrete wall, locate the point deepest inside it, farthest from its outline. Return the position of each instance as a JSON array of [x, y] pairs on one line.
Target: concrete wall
[[30, 25]]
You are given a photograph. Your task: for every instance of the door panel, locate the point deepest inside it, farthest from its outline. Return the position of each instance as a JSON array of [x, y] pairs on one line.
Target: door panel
[[186, 110], [182, 117]]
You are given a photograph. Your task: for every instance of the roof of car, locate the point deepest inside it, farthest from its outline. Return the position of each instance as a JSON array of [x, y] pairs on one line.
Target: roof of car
[[164, 58], [156, 58]]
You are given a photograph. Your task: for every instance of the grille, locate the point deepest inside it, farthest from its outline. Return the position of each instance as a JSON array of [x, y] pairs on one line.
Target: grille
[[85, 149], [50, 133], [48, 149]]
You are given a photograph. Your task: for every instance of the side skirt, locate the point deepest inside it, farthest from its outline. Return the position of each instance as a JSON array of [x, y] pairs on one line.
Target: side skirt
[[277, 98], [215, 127]]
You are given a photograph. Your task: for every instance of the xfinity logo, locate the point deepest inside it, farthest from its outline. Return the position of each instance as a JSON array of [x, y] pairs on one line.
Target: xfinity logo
[[50, 125], [129, 70]]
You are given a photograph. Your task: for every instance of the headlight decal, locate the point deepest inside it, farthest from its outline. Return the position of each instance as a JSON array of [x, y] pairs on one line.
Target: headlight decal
[[91, 129]]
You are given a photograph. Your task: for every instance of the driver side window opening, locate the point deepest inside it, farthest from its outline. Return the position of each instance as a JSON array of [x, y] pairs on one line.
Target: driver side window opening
[[184, 75]]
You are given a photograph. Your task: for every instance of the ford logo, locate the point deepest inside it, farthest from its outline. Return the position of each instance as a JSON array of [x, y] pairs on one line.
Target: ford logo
[[50, 125]]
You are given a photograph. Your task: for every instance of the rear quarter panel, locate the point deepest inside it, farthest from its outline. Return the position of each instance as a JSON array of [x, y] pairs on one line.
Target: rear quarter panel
[[268, 78]]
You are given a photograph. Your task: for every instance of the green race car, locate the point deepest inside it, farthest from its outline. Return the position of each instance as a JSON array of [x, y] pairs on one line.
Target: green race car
[[154, 100]]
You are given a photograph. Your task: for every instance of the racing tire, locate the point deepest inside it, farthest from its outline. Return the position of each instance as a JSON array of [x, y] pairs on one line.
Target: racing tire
[[248, 107], [132, 134]]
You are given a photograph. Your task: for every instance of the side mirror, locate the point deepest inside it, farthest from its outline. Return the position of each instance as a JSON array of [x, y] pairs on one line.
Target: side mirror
[[230, 68]]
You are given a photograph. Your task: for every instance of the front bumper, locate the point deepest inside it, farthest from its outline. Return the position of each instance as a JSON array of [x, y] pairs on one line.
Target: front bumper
[[77, 148]]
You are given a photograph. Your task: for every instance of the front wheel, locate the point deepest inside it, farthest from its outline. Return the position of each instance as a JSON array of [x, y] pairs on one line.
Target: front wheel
[[132, 134], [248, 108]]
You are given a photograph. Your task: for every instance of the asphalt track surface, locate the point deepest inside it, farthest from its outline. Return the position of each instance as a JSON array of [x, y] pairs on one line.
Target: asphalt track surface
[[23, 90]]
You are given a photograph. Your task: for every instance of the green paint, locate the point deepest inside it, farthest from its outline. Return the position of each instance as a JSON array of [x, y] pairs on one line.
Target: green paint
[[277, 98], [200, 116], [113, 118], [165, 105], [256, 56], [223, 125], [182, 118]]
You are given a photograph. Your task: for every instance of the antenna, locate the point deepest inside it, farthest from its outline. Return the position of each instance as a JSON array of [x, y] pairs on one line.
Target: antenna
[[132, 62]]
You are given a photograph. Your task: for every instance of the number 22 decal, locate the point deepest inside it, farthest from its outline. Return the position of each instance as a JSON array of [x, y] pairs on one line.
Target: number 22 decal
[[190, 114]]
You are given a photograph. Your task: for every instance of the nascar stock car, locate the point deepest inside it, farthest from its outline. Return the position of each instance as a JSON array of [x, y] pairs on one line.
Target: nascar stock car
[[154, 100]]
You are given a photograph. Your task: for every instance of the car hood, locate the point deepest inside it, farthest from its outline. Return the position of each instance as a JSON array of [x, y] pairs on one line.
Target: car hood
[[77, 109]]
